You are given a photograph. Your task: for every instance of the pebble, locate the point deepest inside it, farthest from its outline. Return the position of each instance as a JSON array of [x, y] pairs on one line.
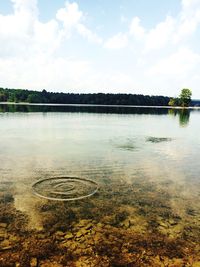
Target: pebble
[[82, 246], [83, 223], [172, 222], [163, 224], [126, 223], [3, 225], [69, 235], [73, 246], [42, 236], [2, 235], [5, 245], [59, 235], [88, 226], [82, 239], [50, 264], [33, 262], [81, 233], [100, 225]]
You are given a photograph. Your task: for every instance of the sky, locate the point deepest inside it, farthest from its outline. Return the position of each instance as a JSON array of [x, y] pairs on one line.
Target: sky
[[84, 46]]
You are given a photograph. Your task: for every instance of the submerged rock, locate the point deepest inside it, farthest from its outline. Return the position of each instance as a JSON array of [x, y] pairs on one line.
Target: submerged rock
[[3, 234], [33, 262], [3, 225], [5, 245], [88, 226], [81, 232], [126, 223], [59, 235]]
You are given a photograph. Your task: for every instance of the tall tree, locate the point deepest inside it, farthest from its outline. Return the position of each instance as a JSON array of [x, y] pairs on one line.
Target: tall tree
[[185, 97]]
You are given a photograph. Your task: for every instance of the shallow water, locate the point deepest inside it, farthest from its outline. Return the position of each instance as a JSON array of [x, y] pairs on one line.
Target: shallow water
[[146, 164]]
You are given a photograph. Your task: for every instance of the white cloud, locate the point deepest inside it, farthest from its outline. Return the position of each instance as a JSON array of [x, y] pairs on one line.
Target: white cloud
[[28, 48], [176, 71], [70, 15], [118, 41], [42, 72], [136, 29], [171, 31], [188, 20], [88, 34], [22, 32], [21, 22], [159, 36], [27, 8], [46, 38], [190, 3], [72, 19], [180, 63], [36, 54]]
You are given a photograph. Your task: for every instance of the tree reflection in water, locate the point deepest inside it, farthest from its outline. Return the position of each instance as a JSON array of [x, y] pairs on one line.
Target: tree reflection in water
[[183, 114]]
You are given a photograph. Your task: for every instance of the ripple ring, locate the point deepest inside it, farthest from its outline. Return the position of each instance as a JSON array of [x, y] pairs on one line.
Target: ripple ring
[[70, 191]]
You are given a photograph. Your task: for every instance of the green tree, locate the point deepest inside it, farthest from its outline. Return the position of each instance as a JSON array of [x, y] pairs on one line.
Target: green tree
[[173, 102], [185, 97], [3, 97], [34, 98]]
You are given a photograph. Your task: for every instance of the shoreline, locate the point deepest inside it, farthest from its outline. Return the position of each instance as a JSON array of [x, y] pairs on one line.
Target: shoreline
[[96, 105]]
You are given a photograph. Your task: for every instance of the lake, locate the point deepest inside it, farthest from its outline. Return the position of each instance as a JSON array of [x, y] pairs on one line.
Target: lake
[[99, 186]]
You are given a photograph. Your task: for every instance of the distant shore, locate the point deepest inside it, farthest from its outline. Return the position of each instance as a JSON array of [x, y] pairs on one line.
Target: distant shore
[[30, 97], [95, 105]]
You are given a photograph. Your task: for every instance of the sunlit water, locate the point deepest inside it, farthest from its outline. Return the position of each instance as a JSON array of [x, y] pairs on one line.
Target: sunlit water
[[146, 211]]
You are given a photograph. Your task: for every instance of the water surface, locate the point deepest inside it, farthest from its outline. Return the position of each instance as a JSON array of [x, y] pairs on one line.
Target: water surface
[[146, 163]]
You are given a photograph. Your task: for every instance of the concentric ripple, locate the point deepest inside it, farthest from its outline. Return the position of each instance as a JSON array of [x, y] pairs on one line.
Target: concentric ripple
[[64, 188]]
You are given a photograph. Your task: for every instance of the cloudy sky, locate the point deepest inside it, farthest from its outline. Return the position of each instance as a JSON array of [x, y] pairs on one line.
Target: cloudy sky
[[127, 46]]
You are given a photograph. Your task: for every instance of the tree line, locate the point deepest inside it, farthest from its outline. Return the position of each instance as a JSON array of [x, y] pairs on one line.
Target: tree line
[[28, 96]]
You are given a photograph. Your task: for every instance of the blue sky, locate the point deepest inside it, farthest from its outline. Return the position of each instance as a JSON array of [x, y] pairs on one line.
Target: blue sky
[[127, 46]]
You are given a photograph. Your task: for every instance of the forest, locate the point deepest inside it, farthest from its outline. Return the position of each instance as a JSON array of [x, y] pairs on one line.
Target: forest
[[28, 96]]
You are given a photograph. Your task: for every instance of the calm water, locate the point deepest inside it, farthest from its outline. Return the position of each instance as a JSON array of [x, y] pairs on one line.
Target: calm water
[[145, 162]]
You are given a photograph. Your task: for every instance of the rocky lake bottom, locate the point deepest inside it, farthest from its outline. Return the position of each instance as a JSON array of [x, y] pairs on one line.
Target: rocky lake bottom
[[139, 224]]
